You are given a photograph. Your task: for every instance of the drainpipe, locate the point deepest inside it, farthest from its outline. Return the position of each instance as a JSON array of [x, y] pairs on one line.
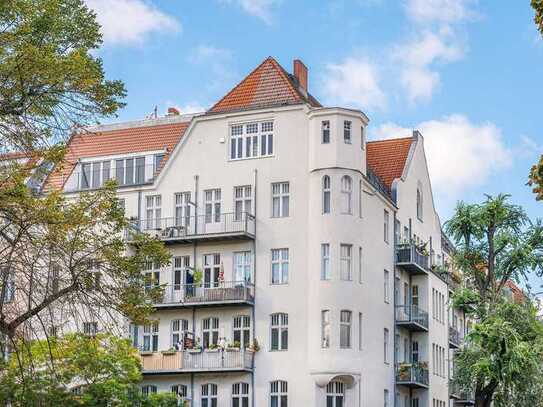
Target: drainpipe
[[394, 302], [139, 209], [253, 311], [192, 389]]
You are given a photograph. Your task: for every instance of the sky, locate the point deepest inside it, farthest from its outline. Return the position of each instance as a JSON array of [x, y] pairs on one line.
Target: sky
[[466, 73]]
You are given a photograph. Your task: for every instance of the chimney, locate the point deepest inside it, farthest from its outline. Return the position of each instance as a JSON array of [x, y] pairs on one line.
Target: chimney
[[300, 72], [172, 111]]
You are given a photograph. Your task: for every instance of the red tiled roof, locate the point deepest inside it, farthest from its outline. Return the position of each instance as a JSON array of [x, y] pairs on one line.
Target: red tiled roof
[[119, 141], [386, 158], [267, 85]]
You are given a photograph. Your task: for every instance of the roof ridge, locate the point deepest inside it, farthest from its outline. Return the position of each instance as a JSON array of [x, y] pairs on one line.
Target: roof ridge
[[390, 139], [296, 92]]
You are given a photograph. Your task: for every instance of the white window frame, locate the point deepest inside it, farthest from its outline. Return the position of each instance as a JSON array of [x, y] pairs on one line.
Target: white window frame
[[386, 226], [240, 394], [182, 209], [280, 259], [150, 337], [210, 332], [335, 394], [347, 131], [153, 212], [325, 132], [386, 286], [241, 327], [212, 205], [280, 203], [178, 329], [346, 262], [243, 202], [279, 325], [243, 267], [345, 329], [326, 194], [346, 195], [386, 340], [326, 268], [209, 397], [325, 329], [251, 140], [279, 393]]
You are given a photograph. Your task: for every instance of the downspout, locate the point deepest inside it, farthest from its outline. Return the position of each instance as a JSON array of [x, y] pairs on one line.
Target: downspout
[[396, 233], [253, 311]]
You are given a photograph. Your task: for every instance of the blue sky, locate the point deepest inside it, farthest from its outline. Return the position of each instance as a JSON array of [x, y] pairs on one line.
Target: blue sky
[[467, 73]]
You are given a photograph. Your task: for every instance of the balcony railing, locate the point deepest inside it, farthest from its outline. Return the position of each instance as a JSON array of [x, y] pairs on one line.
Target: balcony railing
[[412, 375], [197, 361], [221, 292], [233, 225], [455, 339], [409, 257], [412, 317], [460, 397]]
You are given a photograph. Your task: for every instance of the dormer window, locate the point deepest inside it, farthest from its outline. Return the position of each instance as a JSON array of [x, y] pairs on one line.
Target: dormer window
[[251, 140], [347, 131]]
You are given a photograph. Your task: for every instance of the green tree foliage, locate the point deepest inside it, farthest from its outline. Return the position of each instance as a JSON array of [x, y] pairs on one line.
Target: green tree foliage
[[503, 356], [50, 77], [536, 179], [77, 370], [538, 8]]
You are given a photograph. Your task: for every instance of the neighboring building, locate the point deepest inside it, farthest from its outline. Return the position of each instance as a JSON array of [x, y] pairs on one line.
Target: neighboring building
[[320, 246]]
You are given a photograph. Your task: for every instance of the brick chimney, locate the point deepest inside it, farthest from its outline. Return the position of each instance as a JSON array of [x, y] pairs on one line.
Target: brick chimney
[[172, 111], [300, 72]]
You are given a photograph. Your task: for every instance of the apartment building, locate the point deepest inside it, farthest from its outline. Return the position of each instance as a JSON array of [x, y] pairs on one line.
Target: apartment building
[[307, 262]]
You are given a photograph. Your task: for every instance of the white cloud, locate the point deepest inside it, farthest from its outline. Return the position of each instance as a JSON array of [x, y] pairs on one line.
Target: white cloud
[[191, 107], [461, 154], [440, 11], [130, 21], [217, 64], [262, 9], [354, 82]]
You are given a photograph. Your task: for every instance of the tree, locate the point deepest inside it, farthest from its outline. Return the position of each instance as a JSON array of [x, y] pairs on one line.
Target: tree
[[50, 79], [77, 370], [536, 179], [502, 359], [538, 8]]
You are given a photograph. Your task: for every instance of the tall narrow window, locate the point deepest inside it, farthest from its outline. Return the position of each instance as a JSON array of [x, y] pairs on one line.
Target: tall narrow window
[[85, 175], [106, 171], [153, 211], [386, 225], [419, 204], [280, 199], [325, 329], [360, 195], [360, 331], [360, 269], [240, 395], [179, 327], [212, 270], [362, 137], [325, 129], [129, 173], [140, 169], [209, 395], [212, 205], [326, 194], [386, 285], [181, 265], [346, 260], [345, 329], [415, 352], [150, 337], [325, 261], [182, 209], [96, 174], [210, 331], [279, 393], [279, 331], [236, 142], [279, 266], [335, 394], [385, 344], [242, 330], [242, 202], [385, 396], [243, 267], [119, 172], [180, 390], [346, 194], [347, 132]]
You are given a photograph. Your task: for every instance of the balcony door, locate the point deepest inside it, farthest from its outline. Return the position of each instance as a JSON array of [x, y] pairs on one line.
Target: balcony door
[[182, 210], [183, 279], [212, 270]]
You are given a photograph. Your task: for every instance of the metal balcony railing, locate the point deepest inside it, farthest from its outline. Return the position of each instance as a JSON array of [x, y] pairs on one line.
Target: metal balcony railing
[[413, 375], [460, 396], [411, 258], [220, 292], [197, 361], [412, 316], [455, 339], [233, 224]]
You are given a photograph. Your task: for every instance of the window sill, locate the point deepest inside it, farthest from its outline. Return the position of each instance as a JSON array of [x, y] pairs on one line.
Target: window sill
[[251, 158]]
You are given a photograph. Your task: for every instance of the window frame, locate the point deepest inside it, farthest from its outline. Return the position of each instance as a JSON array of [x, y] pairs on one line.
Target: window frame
[[346, 195], [326, 195], [248, 144], [326, 264], [345, 324], [283, 263], [279, 322], [346, 262], [283, 199], [325, 132], [347, 131]]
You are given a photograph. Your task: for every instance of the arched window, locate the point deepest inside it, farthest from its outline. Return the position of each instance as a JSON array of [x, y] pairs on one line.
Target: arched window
[[326, 194], [180, 390], [278, 393], [240, 395], [335, 394], [209, 395], [346, 194], [419, 203]]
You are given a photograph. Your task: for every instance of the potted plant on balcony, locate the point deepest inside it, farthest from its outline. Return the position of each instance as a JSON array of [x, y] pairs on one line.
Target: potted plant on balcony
[[254, 346], [404, 373], [170, 351], [213, 348], [197, 348], [233, 346]]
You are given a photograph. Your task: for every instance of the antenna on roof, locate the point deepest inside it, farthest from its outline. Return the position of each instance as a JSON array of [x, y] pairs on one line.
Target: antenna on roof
[[153, 115]]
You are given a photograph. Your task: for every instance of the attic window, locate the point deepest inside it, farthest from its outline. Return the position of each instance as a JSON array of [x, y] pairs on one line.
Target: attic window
[[251, 140]]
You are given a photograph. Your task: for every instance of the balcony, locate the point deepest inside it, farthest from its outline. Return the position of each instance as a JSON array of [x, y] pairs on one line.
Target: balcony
[[412, 317], [454, 338], [197, 361], [411, 259], [224, 226], [461, 398], [413, 375], [207, 294]]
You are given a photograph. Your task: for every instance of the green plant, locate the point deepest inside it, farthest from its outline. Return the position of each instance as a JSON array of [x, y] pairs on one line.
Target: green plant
[[197, 276], [255, 346]]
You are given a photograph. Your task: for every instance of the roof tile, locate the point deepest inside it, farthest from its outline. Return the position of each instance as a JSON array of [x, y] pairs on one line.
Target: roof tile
[[387, 158]]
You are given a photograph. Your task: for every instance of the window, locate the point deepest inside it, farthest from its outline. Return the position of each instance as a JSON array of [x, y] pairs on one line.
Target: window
[[242, 330], [419, 204], [385, 344], [182, 209], [415, 295], [212, 205], [345, 329], [362, 137], [212, 270], [325, 261], [397, 231], [360, 194], [346, 254], [243, 266], [95, 174], [279, 331], [180, 390], [209, 395], [242, 202], [406, 350], [279, 393], [251, 140], [90, 328], [415, 352], [181, 264], [151, 275], [360, 265], [150, 337], [385, 395], [326, 194], [347, 132], [129, 171], [279, 266], [157, 161], [325, 129], [210, 332], [179, 327], [386, 225], [335, 394], [386, 285], [325, 329], [359, 331], [153, 211], [280, 199], [148, 389], [240, 395], [346, 194]]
